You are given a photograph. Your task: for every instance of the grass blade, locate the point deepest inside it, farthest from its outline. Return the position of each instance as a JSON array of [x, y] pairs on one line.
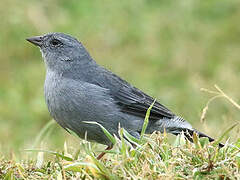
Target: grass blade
[[131, 138], [145, 124], [50, 152], [77, 166], [225, 133], [108, 134], [43, 133]]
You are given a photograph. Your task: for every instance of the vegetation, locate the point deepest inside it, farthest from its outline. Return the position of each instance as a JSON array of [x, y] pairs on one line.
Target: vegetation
[[169, 49], [153, 159]]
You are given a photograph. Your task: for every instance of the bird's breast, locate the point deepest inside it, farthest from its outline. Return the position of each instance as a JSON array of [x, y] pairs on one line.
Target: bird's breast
[[55, 96]]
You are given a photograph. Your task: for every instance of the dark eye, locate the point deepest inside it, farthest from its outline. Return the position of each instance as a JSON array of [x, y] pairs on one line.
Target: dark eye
[[55, 42]]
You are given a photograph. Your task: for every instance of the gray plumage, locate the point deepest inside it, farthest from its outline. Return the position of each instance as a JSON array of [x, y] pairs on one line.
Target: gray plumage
[[77, 89]]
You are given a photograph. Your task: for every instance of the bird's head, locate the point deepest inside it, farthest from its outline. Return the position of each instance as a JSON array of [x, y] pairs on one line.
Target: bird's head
[[60, 51]]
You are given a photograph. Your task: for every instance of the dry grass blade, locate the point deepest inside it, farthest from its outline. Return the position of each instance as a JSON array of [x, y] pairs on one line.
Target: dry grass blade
[[219, 93], [227, 97]]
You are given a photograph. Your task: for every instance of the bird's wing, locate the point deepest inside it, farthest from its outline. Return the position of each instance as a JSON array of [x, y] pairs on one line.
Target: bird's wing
[[133, 101], [130, 99]]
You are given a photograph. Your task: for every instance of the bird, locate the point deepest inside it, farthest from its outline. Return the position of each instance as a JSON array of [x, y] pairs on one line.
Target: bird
[[77, 90]]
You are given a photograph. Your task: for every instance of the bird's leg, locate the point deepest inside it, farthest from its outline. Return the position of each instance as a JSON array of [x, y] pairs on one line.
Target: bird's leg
[[102, 153]]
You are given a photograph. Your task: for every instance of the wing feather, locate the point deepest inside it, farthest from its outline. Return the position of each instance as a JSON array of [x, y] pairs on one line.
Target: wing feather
[[130, 99], [133, 101]]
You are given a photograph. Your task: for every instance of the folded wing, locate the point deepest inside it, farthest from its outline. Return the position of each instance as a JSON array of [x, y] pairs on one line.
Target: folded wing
[[133, 101]]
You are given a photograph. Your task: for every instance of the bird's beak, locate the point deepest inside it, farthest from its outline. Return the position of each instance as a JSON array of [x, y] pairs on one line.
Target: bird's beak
[[36, 40]]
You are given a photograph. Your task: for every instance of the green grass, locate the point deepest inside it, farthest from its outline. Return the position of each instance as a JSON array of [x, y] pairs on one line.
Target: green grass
[[169, 49], [154, 159]]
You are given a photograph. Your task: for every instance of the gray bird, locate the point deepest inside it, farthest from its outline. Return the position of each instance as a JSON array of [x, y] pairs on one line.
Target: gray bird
[[77, 89]]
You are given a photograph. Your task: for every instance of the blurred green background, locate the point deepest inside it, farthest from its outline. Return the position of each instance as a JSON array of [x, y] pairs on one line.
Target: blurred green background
[[170, 49]]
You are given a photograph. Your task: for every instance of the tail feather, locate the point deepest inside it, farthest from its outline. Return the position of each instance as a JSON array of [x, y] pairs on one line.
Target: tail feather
[[189, 135], [177, 125]]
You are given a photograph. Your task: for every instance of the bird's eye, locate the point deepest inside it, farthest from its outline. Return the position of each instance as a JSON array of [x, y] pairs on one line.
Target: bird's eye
[[55, 42]]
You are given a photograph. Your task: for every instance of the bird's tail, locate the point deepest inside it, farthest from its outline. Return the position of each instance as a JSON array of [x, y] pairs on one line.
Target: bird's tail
[[188, 133], [178, 125]]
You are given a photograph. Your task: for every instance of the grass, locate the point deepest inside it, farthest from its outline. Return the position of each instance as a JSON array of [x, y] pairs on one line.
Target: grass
[[169, 49], [153, 158], [150, 157]]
